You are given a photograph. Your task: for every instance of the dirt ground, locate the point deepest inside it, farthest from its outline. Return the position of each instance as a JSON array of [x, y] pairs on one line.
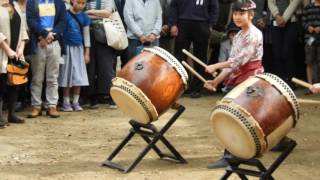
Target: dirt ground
[[75, 145]]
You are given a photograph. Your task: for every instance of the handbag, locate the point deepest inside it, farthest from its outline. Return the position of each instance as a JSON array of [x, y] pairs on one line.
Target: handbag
[[99, 34], [17, 72], [97, 28], [115, 32]]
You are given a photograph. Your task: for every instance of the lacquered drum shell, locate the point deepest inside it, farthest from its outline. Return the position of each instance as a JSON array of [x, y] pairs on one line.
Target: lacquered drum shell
[[156, 78], [270, 109]]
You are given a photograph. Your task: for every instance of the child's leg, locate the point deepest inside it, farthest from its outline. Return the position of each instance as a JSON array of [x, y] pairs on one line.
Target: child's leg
[[309, 60], [75, 100], [66, 106], [309, 73], [66, 95], [76, 94]]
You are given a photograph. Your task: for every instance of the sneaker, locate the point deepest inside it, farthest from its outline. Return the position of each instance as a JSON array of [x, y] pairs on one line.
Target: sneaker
[[66, 107], [77, 107], [112, 104]]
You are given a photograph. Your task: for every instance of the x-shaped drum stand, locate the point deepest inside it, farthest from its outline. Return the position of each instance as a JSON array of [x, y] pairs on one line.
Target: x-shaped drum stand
[[263, 173], [151, 136]]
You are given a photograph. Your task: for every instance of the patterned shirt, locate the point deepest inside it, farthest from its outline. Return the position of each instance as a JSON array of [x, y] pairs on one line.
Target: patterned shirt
[[311, 17], [246, 46]]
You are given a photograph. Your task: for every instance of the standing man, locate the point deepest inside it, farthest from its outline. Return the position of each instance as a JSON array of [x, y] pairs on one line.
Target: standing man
[[46, 20], [190, 22], [143, 19]]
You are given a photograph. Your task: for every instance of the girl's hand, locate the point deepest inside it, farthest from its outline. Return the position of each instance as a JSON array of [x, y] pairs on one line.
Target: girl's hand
[[211, 68], [315, 88], [211, 85]]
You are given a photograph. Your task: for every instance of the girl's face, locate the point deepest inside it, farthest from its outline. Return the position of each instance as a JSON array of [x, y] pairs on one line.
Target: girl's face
[[242, 18], [78, 5], [4, 2]]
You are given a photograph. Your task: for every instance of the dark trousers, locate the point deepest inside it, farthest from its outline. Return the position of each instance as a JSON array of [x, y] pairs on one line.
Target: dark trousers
[[197, 33], [100, 69], [123, 57], [11, 93], [284, 43], [132, 48]]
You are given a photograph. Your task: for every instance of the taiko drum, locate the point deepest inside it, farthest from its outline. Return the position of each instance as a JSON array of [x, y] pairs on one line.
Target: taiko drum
[[149, 84], [255, 115]]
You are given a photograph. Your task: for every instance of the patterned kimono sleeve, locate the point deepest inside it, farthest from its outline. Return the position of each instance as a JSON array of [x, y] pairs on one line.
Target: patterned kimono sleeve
[[244, 49]]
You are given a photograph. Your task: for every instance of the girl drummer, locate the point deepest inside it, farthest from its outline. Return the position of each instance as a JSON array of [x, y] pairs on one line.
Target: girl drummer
[[246, 53], [244, 60]]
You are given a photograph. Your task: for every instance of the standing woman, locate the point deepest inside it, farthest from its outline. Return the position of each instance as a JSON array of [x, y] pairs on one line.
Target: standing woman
[[100, 68], [13, 35], [284, 34]]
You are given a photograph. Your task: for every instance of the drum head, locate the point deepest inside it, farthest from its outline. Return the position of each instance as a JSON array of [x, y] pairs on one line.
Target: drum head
[[129, 105], [132, 101], [233, 134]]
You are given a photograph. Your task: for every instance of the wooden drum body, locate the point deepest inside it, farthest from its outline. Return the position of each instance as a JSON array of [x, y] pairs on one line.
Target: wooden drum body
[[149, 84], [255, 115]]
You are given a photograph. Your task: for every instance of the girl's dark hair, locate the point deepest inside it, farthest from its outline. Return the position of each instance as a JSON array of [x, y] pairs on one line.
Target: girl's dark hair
[[242, 5]]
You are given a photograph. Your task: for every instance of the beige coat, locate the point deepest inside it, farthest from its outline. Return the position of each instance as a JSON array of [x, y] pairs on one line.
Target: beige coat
[[5, 34], [289, 14]]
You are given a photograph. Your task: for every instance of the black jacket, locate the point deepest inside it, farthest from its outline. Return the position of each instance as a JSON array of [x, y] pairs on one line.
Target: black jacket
[[194, 10]]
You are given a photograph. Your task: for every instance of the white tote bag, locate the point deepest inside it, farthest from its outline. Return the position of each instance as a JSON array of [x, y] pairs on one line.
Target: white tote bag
[[115, 32]]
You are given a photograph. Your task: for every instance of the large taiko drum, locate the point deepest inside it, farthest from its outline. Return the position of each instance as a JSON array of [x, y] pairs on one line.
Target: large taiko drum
[[255, 115], [149, 84]]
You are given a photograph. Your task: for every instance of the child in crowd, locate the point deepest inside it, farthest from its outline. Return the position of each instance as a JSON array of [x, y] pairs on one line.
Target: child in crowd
[[246, 53], [225, 46], [73, 73], [311, 25]]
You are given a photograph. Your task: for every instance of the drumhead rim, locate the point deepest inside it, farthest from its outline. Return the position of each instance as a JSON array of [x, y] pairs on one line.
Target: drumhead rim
[[287, 92], [138, 95], [246, 120], [171, 60]]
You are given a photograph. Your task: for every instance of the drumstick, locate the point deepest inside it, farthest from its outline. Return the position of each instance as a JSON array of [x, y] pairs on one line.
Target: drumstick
[[197, 60], [193, 71], [301, 83], [308, 101]]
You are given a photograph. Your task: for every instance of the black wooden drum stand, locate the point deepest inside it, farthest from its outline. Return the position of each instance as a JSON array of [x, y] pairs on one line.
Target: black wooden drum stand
[[263, 173], [150, 135]]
